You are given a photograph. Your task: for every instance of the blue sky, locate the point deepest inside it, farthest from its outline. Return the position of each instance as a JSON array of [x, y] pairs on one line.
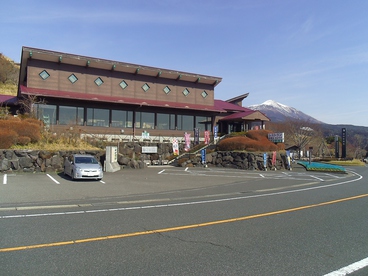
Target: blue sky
[[311, 55]]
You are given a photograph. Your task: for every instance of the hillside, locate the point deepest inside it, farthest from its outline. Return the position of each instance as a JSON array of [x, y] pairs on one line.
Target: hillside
[[9, 73]]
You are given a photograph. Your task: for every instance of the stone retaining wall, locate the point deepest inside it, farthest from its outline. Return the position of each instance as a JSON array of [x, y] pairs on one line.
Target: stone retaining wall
[[130, 156], [238, 160]]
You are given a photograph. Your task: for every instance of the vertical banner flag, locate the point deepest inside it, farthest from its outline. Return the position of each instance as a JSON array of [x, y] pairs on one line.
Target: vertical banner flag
[[203, 154], [265, 161], [274, 159], [206, 137], [187, 141], [196, 136], [288, 158], [175, 146], [215, 132]]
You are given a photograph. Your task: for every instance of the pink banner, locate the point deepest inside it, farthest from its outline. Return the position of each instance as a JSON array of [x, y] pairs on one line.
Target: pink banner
[[206, 137], [274, 158], [175, 146], [187, 141]]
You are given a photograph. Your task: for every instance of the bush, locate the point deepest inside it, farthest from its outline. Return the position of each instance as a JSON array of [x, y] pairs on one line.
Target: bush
[[7, 137], [27, 128], [23, 140], [255, 140]]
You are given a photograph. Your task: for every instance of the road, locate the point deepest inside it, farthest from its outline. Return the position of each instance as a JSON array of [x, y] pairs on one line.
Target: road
[[185, 221]]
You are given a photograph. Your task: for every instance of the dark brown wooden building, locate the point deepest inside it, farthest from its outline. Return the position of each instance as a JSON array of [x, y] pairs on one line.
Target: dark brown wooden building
[[123, 100]]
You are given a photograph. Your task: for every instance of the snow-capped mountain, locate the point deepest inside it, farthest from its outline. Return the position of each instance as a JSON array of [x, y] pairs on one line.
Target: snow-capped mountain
[[278, 112]]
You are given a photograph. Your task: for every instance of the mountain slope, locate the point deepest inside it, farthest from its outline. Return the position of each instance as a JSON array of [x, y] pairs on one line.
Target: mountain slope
[[278, 112]]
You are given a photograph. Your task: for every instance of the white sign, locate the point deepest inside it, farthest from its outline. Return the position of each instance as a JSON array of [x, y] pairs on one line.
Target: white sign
[[276, 137], [149, 149]]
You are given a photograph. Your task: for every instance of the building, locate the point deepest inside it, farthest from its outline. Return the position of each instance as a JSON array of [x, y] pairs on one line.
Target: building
[[123, 100]]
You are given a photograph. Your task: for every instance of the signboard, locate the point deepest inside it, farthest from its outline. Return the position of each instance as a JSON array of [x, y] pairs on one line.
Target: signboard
[[265, 161], [145, 135], [111, 164], [337, 146], [276, 137], [343, 143], [149, 149]]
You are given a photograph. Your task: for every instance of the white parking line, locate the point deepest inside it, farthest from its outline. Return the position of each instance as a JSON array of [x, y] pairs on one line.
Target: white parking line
[[53, 179], [320, 179], [350, 268], [5, 179]]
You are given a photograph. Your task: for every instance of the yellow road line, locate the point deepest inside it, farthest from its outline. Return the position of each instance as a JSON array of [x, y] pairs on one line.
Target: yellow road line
[[177, 228]]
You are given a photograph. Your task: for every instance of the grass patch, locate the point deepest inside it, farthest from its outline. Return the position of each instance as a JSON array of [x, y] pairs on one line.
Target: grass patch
[[8, 89], [56, 146], [354, 162]]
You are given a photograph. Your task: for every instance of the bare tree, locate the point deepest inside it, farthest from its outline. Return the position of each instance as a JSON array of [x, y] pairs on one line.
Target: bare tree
[[359, 143], [299, 133], [28, 104]]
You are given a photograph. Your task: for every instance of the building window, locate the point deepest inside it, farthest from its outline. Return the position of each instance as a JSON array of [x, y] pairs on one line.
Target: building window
[[145, 87], [122, 118], [186, 92], [185, 122], [145, 120], [44, 75], [97, 117], [203, 123], [204, 94], [172, 121], [46, 113], [123, 84], [71, 115], [99, 81], [72, 78], [167, 90], [163, 121]]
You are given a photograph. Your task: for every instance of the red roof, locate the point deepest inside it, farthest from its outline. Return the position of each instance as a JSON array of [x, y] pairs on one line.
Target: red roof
[[238, 115], [112, 99], [226, 106], [8, 99]]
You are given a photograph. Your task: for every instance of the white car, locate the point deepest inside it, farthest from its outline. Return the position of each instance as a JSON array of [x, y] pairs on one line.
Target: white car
[[83, 166], [365, 160]]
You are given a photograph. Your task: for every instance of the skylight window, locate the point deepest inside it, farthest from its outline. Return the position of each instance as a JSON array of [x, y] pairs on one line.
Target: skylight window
[[167, 90], [186, 92], [44, 75], [145, 87], [99, 81], [123, 84], [72, 78]]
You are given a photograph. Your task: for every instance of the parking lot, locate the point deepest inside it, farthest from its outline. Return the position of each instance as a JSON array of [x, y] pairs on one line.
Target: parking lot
[[153, 182]]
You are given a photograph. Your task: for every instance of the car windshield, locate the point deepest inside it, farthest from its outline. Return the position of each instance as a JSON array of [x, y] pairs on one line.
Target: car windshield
[[85, 160]]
